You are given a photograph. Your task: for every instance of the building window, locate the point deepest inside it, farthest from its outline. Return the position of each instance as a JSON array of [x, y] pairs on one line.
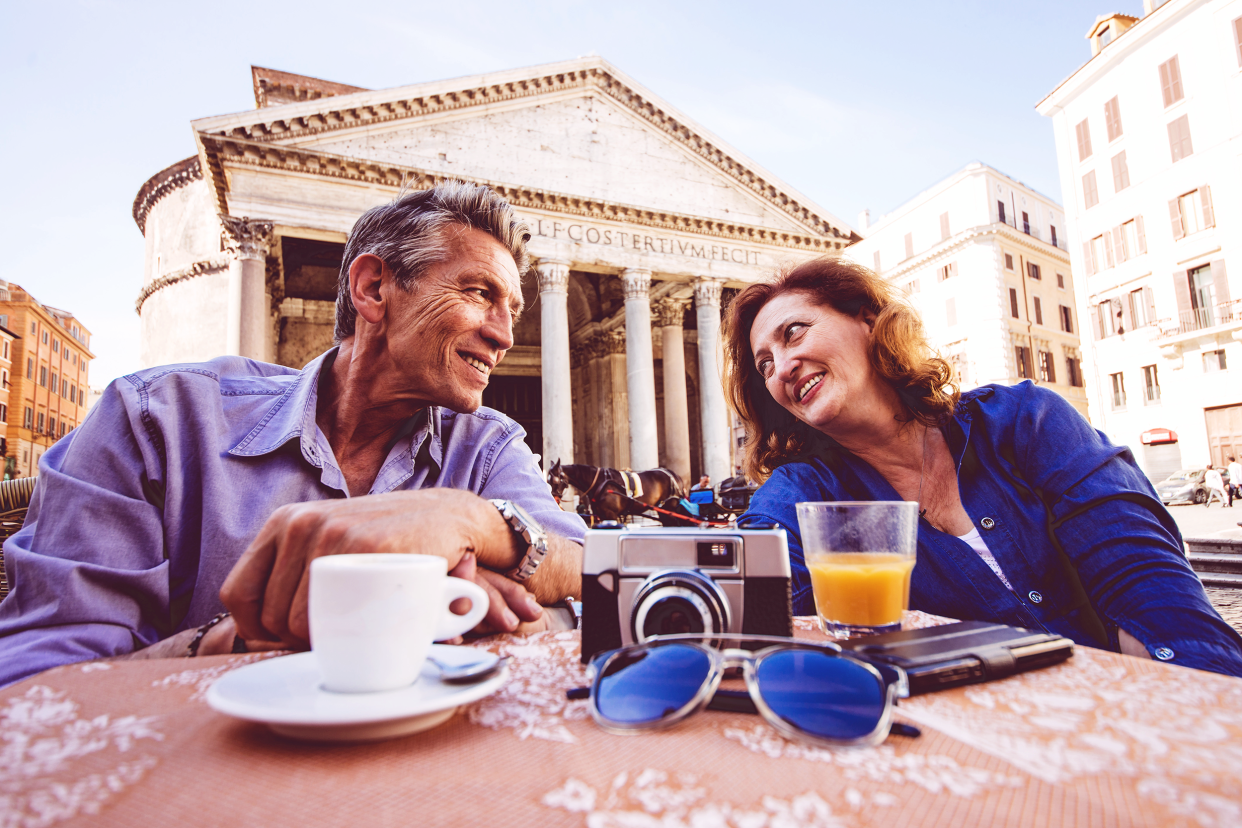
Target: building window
[[946, 272], [28, 422], [4, 412], [45, 337], [55, 388], [1008, 261], [1112, 118], [1151, 385], [81, 396], [1121, 172], [1213, 361], [1108, 319], [1053, 228], [56, 346], [32, 327], [909, 245], [51, 426], [1090, 193], [1073, 368], [1119, 390], [30, 368], [944, 226], [39, 427], [1093, 252], [1013, 303], [1142, 307], [1022, 356], [1084, 140], [1026, 223], [6, 349], [1202, 299], [1000, 211], [950, 312], [1171, 81], [1237, 38], [1032, 270], [1067, 318], [876, 259], [912, 286], [1179, 138], [1047, 370], [1192, 212], [62, 428], [1039, 312], [1061, 281], [43, 375]]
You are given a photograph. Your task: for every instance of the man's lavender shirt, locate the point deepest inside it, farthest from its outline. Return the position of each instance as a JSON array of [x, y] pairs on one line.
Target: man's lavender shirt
[[141, 512]]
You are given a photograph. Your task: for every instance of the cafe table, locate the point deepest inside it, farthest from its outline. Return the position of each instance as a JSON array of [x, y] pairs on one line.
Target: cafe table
[[1101, 740]]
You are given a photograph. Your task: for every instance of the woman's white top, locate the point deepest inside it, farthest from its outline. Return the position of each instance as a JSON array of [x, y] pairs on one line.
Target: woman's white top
[[975, 541]]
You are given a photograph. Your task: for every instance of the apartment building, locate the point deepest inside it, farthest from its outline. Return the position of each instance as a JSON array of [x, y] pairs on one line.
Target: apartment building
[[7, 338], [983, 259], [1148, 133], [49, 376]]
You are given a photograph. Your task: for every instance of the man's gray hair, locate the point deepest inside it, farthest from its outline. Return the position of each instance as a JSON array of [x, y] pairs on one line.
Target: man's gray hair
[[414, 232]]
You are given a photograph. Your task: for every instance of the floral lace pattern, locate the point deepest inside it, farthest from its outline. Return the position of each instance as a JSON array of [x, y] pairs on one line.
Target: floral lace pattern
[[46, 770], [201, 678], [532, 703]]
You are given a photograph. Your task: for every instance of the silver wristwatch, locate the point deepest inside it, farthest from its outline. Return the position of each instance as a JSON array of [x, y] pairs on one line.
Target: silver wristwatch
[[529, 533]]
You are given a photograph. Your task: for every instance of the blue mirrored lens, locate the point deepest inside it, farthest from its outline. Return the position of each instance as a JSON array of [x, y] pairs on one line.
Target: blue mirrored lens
[[821, 694], [648, 685]]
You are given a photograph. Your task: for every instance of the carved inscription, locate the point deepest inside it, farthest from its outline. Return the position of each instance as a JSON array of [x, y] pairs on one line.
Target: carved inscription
[[609, 237]]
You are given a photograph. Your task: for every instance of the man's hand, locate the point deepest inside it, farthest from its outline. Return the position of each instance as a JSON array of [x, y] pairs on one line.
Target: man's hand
[[512, 608], [268, 587]]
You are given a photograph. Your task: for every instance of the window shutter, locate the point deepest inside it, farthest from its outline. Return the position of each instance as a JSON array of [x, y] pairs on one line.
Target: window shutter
[[1119, 244], [1138, 232], [1100, 328], [877, 261], [1149, 297], [952, 267], [1086, 258], [1084, 140], [1181, 290], [1220, 284], [1127, 313], [1205, 198], [944, 226], [1108, 249], [1175, 218]]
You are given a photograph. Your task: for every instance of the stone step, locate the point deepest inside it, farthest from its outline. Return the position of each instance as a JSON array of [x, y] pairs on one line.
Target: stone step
[[1215, 562], [1221, 579]]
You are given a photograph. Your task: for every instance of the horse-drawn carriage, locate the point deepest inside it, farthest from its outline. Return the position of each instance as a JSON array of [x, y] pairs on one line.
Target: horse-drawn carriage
[[614, 494]]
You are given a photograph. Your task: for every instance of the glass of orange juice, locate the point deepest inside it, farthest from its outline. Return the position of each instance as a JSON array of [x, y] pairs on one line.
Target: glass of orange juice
[[860, 556]]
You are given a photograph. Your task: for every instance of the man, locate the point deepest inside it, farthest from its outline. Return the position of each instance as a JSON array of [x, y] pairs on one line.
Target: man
[[705, 483], [1215, 486], [195, 488], [1235, 478]]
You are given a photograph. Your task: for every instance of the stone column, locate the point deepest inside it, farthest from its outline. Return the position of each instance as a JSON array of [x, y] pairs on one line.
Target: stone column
[[669, 314], [247, 322], [713, 410], [618, 399], [558, 408], [640, 370]]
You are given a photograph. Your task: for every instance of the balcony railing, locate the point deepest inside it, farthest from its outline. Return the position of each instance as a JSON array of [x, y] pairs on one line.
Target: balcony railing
[[1032, 231], [1151, 394], [1198, 319], [1119, 399]]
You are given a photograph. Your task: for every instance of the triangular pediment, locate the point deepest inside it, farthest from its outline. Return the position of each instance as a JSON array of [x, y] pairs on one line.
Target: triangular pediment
[[580, 127]]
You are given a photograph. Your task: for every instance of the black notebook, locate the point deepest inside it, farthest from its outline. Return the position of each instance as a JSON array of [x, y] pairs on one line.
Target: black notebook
[[967, 652]]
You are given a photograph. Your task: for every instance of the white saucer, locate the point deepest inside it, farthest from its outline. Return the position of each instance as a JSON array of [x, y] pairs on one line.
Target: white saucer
[[285, 694]]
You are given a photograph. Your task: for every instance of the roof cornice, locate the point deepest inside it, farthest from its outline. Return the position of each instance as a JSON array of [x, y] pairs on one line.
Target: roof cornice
[[234, 152], [974, 235], [161, 184], [368, 109]]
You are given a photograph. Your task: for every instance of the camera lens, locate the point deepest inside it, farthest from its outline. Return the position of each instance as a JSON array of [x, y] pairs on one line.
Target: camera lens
[[678, 601]]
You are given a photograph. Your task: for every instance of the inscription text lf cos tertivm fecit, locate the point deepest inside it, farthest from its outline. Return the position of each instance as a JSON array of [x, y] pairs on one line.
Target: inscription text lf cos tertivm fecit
[[627, 240]]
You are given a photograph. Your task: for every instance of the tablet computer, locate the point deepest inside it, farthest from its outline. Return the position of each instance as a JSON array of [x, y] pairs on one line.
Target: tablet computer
[[966, 652]]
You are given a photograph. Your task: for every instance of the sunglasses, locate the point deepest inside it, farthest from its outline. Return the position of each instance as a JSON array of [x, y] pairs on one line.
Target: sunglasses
[[810, 691]]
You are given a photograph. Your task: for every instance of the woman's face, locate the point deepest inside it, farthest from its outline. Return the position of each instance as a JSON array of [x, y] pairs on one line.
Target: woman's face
[[813, 358]]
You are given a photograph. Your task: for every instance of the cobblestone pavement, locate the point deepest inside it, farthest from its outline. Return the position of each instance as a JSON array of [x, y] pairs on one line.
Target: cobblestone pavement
[[1228, 603]]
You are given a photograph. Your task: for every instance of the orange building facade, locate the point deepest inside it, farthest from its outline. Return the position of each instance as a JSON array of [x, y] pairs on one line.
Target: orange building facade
[[47, 377]]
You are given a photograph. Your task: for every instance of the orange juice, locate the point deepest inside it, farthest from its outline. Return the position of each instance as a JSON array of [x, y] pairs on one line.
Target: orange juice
[[861, 588]]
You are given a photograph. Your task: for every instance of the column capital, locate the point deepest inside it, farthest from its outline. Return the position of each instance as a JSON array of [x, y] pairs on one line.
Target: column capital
[[637, 282], [707, 292], [669, 312], [553, 275], [245, 239], [614, 341]]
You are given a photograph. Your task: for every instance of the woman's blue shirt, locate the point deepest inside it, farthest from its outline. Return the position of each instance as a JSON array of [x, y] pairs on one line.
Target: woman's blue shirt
[[1075, 525]]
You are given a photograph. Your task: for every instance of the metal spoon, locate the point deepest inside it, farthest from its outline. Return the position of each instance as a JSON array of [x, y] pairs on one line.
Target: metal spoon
[[469, 673]]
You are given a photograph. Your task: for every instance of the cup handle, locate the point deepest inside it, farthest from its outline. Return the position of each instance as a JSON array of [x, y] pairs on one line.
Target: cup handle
[[452, 625]]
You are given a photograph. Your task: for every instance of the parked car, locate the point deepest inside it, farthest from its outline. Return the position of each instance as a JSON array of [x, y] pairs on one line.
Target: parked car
[[1185, 486]]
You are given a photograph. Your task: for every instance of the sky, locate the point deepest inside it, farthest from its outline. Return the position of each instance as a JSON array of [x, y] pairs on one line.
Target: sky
[[856, 105]]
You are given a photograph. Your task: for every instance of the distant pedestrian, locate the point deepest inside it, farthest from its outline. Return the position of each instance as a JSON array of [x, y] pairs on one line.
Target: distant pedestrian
[[1215, 486], [1235, 479], [704, 484]]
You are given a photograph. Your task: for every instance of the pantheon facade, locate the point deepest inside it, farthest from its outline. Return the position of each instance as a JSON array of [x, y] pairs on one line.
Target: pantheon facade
[[642, 222]]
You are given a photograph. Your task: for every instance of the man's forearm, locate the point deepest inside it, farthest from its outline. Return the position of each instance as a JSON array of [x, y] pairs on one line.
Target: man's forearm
[[560, 574]]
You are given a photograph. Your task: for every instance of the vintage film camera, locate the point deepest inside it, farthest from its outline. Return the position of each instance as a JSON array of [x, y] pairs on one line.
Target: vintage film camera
[[647, 581]]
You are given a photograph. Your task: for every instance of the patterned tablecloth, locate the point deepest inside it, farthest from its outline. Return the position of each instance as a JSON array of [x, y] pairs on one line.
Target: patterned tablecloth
[[1101, 740]]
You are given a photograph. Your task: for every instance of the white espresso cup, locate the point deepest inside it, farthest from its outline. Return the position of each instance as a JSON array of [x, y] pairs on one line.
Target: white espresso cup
[[373, 617]]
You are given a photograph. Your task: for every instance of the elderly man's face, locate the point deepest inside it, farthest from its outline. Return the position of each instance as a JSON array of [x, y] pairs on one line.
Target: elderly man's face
[[455, 326]]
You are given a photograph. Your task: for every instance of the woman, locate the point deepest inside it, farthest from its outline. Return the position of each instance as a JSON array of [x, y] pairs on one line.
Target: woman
[[1028, 516]]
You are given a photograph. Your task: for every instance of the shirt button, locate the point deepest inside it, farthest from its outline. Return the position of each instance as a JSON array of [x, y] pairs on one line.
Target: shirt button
[[987, 523], [1035, 597], [1163, 653]]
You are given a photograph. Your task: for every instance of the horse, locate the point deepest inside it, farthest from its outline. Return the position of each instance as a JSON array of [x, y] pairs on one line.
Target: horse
[[611, 493]]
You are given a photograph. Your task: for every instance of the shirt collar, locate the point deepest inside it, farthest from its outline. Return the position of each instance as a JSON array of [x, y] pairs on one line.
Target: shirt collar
[[293, 416]]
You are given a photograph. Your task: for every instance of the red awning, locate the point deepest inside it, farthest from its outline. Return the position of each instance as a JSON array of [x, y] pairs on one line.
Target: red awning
[[1157, 436]]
